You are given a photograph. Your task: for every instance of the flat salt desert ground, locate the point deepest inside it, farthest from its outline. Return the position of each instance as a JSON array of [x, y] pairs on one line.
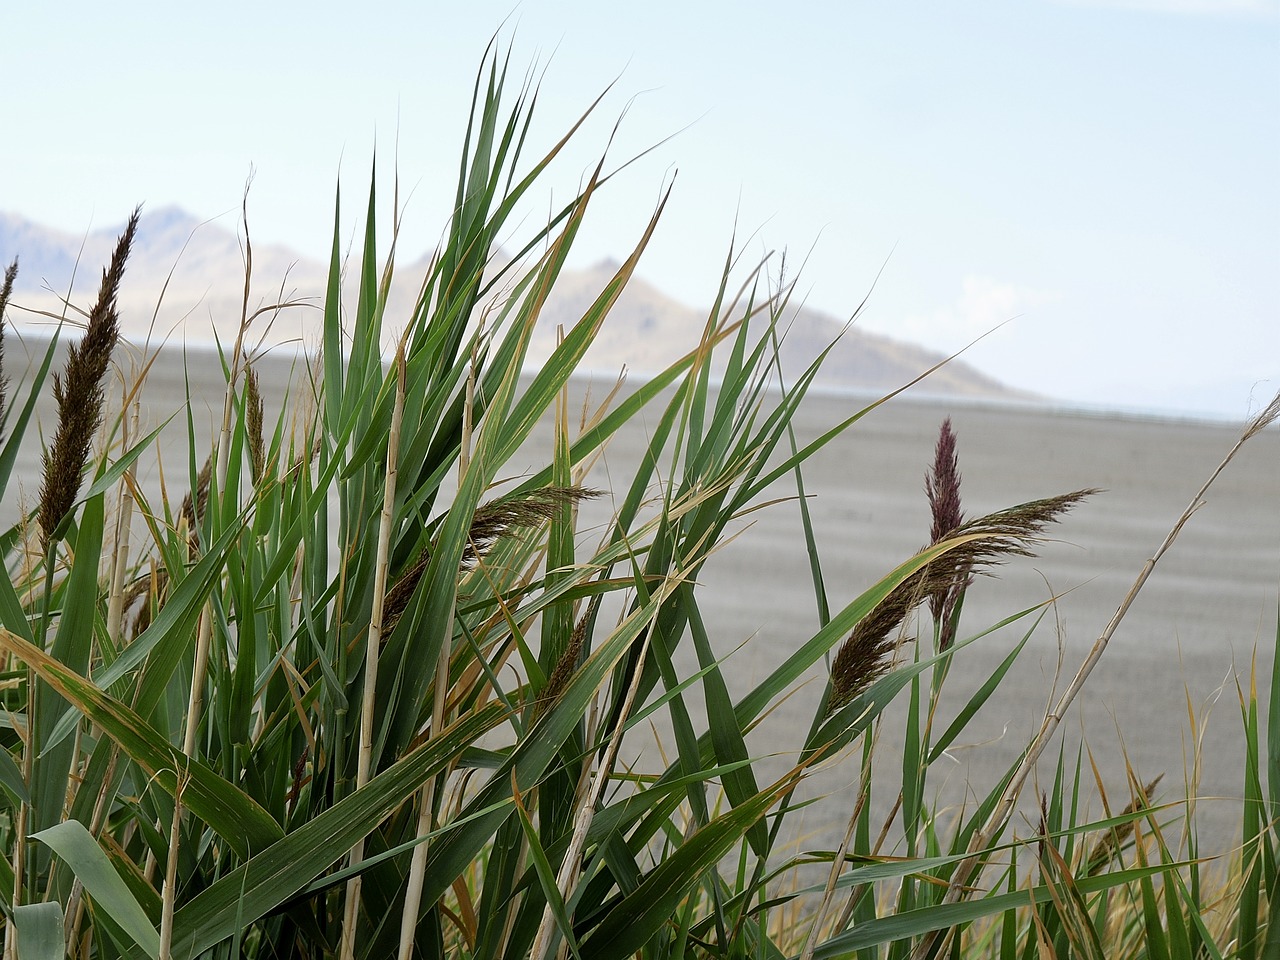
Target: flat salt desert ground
[[1209, 606]]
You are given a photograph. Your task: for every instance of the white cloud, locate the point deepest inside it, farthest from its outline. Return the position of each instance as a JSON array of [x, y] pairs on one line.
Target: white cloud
[[981, 305]]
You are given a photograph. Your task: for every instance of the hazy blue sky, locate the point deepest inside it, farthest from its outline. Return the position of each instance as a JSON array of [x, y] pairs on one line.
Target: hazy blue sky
[[1105, 172]]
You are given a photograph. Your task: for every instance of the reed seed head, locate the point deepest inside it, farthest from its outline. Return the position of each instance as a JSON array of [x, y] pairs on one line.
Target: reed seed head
[[502, 517], [253, 424], [1113, 841], [195, 503], [299, 775], [942, 487], [984, 542], [564, 669], [6, 290], [491, 522], [79, 394], [142, 598]]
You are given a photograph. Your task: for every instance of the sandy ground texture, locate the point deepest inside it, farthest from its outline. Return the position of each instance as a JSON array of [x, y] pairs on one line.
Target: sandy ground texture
[[1189, 639]]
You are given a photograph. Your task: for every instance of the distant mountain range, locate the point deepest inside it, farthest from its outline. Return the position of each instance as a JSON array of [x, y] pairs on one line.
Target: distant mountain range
[[199, 269]]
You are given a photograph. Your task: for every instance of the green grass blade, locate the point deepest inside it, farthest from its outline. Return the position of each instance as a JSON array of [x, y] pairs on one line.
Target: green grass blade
[[74, 844], [9, 453], [237, 817], [40, 935], [290, 864], [915, 923], [980, 697], [627, 927]]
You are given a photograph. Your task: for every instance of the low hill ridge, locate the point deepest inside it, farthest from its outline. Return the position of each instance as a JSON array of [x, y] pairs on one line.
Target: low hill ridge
[[199, 266]]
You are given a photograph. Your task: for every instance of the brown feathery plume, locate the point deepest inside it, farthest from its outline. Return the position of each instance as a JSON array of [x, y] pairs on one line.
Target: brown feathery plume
[[492, 521], [253, 423], [1042, 841], [1111, 842], [864, 656], [942, 487], [397, 598], [986, 541], [79, 394], [499, 518], [10, 274]]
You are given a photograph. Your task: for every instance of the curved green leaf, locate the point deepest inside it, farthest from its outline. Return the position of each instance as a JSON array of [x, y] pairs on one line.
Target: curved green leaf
[[74, 844], [237, 817]]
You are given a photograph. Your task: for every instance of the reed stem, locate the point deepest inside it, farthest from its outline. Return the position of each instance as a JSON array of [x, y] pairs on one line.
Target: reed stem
[[373, 641]]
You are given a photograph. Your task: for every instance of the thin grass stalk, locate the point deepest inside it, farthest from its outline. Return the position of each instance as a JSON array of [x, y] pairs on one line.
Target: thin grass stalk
[[418, 864], [20, 836], [364, 761], [115, 613], [204, 632], [29, 750], [958, 883], [841, 857], [223, 454], [568, 874], [124, 517], [171, 876]]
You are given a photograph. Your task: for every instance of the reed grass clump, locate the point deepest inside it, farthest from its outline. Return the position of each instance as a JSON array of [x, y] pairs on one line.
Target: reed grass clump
[[363, 693]]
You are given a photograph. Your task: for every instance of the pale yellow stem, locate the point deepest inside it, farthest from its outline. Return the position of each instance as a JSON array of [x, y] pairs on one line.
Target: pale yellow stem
[[373, 641], [418, 865]]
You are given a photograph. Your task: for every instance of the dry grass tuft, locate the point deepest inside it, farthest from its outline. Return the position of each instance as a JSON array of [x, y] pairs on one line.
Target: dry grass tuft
[[1268, 416], [80, 397]]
